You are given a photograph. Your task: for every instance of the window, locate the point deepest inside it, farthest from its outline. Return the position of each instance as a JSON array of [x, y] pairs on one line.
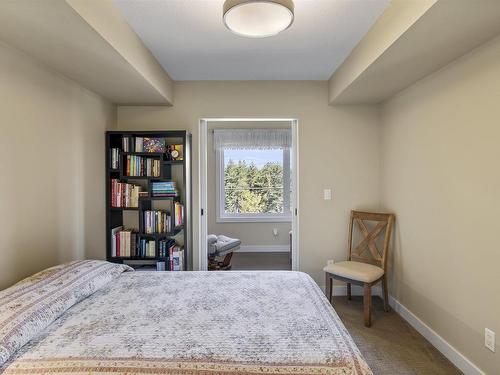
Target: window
[[253, 184]]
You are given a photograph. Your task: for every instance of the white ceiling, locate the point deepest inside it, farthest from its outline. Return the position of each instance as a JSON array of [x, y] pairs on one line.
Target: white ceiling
[[189, 39]]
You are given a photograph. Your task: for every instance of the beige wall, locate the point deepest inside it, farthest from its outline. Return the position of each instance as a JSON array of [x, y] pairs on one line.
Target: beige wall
[[250, 234], [394, 22], [338, 150], [441, 176], [51, 152]]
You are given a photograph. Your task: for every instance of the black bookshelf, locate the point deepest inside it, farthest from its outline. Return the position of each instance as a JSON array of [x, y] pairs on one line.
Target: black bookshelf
[[170, 170]]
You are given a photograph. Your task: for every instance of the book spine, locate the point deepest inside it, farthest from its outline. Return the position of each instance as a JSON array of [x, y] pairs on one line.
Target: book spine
[[113, 192]]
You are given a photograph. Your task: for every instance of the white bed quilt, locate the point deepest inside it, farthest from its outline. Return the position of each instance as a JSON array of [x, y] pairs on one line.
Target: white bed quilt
[[270, 322]]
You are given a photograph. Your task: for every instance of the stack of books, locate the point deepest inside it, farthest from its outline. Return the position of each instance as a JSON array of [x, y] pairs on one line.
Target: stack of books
[[164, 246], [147, 248], [176, 258], [123, 242], [132, 144], [143, 144], [164, 189], [179, 214], [157, 221], [154, 145], [160, 266], [126, 144], [115, 158], [124, 195], [141, 166], [138, 145]]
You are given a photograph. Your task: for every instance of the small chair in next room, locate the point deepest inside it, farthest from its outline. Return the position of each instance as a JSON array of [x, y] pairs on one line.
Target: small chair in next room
[[366, 265]]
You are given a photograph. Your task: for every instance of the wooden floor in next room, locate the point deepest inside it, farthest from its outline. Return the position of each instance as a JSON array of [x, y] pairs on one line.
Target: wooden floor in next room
[[261, 261]]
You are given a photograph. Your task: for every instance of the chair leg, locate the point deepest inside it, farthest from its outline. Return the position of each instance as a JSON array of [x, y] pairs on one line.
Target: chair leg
[[367, 304], [386, 294], [349, 296], [328, 287]]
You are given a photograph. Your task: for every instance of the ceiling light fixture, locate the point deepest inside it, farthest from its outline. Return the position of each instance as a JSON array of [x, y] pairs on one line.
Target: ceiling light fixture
[[258, 18]]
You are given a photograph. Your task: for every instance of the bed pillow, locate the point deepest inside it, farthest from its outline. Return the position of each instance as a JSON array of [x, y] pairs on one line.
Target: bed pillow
[[34, 303]]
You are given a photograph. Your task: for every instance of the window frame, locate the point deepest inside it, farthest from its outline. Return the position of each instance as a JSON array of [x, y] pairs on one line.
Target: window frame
[[223, 217]]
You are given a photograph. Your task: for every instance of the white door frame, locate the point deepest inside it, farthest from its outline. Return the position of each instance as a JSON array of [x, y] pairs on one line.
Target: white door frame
[[202, 186]]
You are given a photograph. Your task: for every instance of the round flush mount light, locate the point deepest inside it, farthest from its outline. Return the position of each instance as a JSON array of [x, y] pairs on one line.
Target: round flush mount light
[[258, 18]]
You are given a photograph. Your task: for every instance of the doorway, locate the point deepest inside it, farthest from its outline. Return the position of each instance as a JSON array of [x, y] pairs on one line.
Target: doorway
[[240, 211]]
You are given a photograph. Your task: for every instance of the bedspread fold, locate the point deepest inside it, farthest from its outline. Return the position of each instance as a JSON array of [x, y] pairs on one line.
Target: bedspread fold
[[31, 305]]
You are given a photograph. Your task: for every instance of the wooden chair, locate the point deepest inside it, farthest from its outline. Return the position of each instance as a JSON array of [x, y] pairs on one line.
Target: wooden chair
[[366, 265]]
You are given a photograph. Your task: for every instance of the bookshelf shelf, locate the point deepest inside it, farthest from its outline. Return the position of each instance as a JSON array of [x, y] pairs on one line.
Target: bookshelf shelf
[[173, 162], [151, 154], [156, 235], [124, 152], [143, 178], [159, 198]]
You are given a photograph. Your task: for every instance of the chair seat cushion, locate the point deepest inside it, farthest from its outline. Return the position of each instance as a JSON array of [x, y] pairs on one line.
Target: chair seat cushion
[[355, 271]]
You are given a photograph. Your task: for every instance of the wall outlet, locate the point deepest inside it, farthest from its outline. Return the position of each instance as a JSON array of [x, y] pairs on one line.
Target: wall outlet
[[489, 339], [275, 232], [327, 194], [330, 262]]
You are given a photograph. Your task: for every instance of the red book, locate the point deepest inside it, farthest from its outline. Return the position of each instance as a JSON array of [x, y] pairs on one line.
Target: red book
[[122, 203], [113, 204], [171, 257]]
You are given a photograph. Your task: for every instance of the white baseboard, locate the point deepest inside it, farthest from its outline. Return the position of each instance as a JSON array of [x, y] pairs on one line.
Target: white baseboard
[[264, 249], [457, 358]]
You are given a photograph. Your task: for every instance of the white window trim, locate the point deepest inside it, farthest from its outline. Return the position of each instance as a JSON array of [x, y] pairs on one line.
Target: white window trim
[[223, 217]]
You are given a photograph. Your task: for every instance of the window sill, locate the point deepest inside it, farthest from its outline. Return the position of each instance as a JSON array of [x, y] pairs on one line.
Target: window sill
[[254, 219]]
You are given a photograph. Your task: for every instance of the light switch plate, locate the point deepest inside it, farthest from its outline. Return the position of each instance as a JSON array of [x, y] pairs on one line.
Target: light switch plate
[[327, 194], [489, 339]]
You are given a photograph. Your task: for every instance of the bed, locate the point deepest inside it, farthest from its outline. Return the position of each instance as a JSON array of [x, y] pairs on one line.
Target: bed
[[95, 317]]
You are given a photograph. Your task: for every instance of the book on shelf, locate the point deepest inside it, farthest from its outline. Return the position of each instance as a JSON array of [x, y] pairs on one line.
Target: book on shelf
[[115, 158], [164, 189], [176, 258], [144, 144], [179, 214], [154, 145], [164, 246], [126, 144], [113, 240], [123, 242], [142, 166], [124, 195], [157, 221], [160, 266], [146, 248], [138, 144]]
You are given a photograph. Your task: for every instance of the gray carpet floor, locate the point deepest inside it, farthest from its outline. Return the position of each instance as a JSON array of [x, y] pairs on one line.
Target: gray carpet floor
[[391, 346]]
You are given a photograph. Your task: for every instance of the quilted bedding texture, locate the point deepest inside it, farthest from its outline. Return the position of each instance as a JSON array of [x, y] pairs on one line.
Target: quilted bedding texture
[[276, 322]]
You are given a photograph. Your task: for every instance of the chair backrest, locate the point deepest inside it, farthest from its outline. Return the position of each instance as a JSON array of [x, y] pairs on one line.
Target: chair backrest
[[366, 250]]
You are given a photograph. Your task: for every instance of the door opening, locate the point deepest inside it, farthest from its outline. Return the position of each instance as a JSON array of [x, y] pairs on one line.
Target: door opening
[[248, 193]]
